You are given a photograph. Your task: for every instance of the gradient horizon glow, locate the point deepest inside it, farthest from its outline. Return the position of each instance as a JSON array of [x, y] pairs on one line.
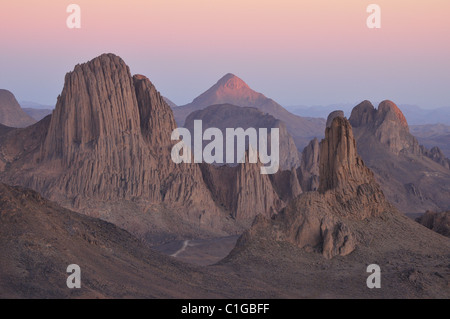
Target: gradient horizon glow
[[313, 52]]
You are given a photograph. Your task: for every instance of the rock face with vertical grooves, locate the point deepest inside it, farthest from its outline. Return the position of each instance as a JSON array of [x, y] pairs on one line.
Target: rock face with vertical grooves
[[11, 114], [321, 220], [254, 192], [333, 115], [95, 135], [308, 172], [286, 184], [108, 141], [340, 165], [245, 192]]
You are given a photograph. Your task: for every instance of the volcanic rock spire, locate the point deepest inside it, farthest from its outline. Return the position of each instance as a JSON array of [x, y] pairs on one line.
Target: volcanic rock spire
[[317, 221], [340, 165]]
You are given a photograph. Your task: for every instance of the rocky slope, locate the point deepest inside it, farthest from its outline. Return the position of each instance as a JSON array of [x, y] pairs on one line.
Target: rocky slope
[[40, 239], [439, 222], [433, 135], [308, 172], [232, 90], [413, 178], [437, 155], [11, 113], [230, 116]]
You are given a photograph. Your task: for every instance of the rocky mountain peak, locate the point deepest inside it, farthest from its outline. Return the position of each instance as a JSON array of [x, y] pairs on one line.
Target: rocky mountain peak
[[231, 81], [229, 89], [365, 114], [388, 110], [333, 115], [362, 114], [97, 105], [340, 165], [320, 220], [387, 124]]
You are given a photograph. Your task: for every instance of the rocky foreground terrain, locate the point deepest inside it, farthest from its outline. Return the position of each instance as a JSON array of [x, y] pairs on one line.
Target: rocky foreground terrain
[[439, 222]]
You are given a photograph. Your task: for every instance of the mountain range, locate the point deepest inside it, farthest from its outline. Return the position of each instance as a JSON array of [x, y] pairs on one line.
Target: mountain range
[[94, 184], [413, 113], [230, 89], [432, 135]]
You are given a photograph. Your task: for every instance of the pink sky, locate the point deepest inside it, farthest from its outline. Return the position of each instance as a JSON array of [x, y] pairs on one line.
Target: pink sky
[[297, 52]]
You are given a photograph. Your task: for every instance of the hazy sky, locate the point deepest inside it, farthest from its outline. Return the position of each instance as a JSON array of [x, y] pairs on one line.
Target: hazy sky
[[308, 52]]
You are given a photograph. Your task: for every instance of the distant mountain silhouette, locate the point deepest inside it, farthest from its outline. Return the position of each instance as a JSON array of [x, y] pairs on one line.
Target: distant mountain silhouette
[[11, 113], [38, 114], [169, 102], [232, 90], [438, 222], [35, 105], [415, 115], [432, 135]]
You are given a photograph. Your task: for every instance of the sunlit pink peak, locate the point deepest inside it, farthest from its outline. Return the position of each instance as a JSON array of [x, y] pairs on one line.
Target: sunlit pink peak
[[229, 89], [231, 81], [389, 109]]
